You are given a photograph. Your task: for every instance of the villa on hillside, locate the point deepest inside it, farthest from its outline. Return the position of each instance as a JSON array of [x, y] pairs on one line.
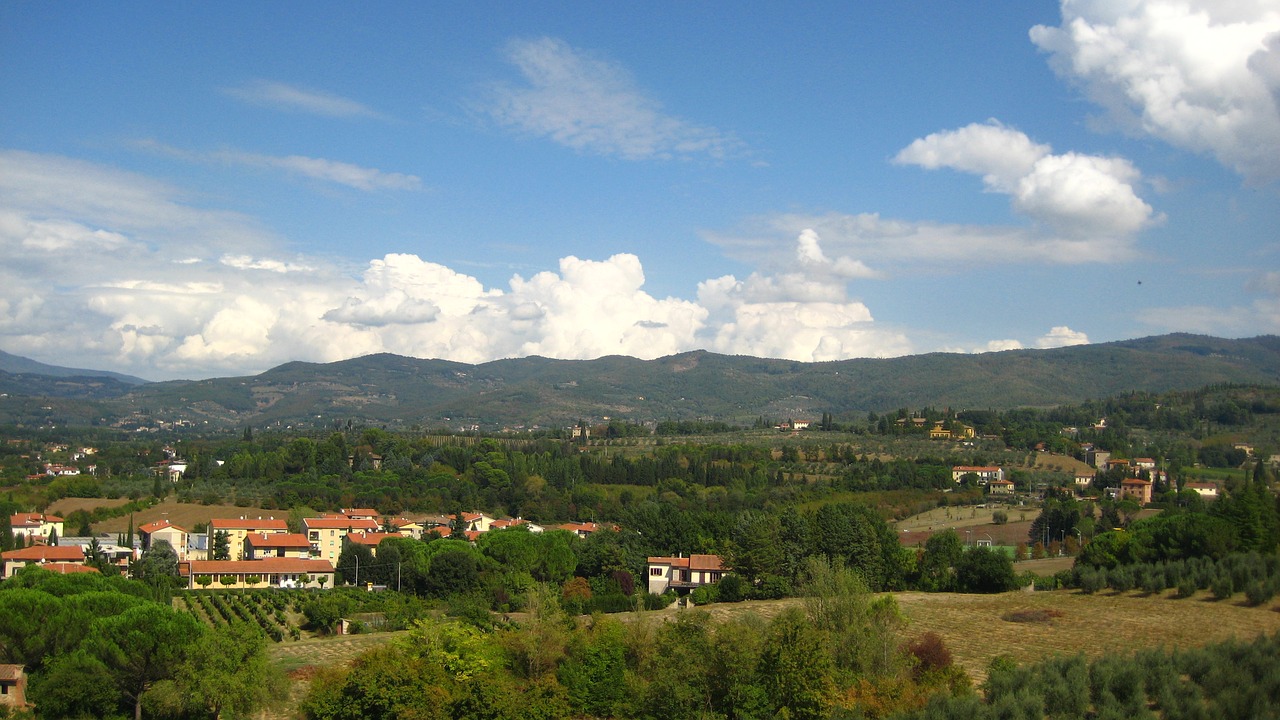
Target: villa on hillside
[[683, 573]]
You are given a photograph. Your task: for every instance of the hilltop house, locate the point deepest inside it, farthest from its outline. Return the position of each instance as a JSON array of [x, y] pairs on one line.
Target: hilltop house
[[985, 473], [683, 573], [1136, 489]]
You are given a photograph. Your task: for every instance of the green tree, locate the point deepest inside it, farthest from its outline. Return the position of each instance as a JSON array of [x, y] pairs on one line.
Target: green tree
[[942, 553], [141, 646], [158, 566], [796, 667], [985, 570], [75, 685], [226, 671], [757, 546], [221, 549]]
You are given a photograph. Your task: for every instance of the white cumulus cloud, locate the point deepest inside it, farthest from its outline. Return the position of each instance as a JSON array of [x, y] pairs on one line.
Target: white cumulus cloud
[[1076, 195], [1062, 336], [1202, 75], [593, 105]]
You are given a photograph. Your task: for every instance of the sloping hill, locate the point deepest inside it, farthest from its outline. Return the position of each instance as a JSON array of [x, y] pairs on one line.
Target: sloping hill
[[539, 391]]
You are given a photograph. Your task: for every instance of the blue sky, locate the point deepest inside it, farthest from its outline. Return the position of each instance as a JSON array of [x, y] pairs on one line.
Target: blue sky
[[189, 191]]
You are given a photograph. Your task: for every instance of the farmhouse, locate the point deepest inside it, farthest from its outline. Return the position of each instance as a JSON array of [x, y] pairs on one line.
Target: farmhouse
[[683, 573], [1203, 489], [985, 473]]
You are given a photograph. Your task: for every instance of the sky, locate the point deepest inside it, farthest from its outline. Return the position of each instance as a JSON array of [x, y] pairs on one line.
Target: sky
[[191, 190]]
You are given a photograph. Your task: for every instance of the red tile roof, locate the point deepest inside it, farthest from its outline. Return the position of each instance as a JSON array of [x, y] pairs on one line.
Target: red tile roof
[[68, 568], [260, 567], [10, 672], [370, 538], [277, 540], [248, 524], [157, 525], [360, 512], [693, 562], [46, 553], [27, 520], [339, 522]]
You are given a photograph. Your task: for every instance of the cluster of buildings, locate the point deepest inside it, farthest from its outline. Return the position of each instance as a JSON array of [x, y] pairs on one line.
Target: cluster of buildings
[[261, 551]]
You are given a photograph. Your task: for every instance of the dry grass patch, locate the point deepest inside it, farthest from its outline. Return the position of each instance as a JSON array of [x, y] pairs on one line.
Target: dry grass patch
[[185, 515], [974, 628]]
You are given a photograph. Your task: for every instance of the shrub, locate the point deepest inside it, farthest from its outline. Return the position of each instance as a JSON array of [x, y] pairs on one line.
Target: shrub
[[704, 595], [1260, 591], [731, 588], [1187, 587], [1222, 586], [653, 601], [930, 654], [1120, 579]]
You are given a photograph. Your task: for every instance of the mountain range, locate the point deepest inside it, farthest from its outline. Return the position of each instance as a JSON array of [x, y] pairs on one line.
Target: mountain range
[[401, 391]]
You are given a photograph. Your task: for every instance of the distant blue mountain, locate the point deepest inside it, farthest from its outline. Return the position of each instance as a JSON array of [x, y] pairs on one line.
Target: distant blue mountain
[[18, 365]]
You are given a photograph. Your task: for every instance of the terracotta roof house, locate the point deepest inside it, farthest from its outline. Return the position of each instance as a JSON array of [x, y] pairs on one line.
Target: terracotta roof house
[[270, 572], [370, 539], [15, 560], [326, 534], [985, 473], [238, 528], [35, 525], [584, 529], [516, 522], [1203, 489], [13, 686], [258, 546], [360, 513], [1136, 489], [166, 531], [683, 573]]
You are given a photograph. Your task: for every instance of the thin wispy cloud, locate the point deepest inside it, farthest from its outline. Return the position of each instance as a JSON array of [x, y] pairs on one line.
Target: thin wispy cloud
[[334, 171], [593, 105], [278, 95]]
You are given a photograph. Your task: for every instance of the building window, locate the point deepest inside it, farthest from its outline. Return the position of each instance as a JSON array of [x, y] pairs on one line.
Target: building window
[[655, 571]]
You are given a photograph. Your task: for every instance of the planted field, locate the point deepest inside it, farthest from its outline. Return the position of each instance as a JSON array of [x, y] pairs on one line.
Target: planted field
[[271, 610]]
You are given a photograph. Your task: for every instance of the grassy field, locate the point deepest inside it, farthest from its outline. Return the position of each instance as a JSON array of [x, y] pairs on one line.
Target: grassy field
[[977, 628]]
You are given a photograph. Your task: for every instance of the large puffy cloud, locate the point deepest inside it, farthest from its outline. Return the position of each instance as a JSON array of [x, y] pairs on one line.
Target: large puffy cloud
[[593, 105], [1202, 75], [147, 283], [1076, 195]]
